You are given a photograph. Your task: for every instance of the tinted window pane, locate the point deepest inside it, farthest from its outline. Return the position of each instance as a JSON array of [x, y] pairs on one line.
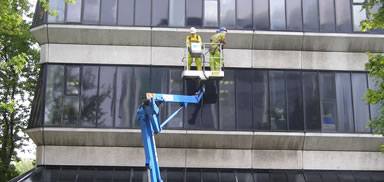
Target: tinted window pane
[[86, 174], [91, 11], [67, 174], [243, 99], [244, 176], [124, 100], [121, 175], [377, 176], [277, 14], [227, 176], [344, 102], [194, 12], [108, 12], [295, 100], [38, 17], [244, 14], [210, 106], [261, 15], [260, 100], [358, 16], [72, 80], [277, 100], [362, 177], [210, 13], [346, 177], [176, 13], [227, 101], [175, 87], [70, 110], [37, 103], [374, 107], [193, 175], [74, 12], [104, 175], [125, 12], [159, 84], [140, 86], [53, 94], [227, 13], [295, 176], [106, 94], [88, 98], [327, 15], [51, 174], [143, 12], [193, 110], [328, 102], [343, 16], [175, 175], [160, 13], [261, 177], [139, 175], [210, 176], [331, 177], [294, 17], [312, 177], [360, 108], [311, 101], [59, 6], [279, 177], [311, 15]]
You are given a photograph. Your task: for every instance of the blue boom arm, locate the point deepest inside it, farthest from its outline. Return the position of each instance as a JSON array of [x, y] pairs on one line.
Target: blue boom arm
[[148, 115]]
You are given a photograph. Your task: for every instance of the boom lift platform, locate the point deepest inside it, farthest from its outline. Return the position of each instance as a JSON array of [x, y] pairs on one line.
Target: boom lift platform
[[148, 111]]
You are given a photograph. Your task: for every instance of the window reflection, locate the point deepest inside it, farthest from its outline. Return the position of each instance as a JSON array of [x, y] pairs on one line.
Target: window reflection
[[294, 17], [261, 14], [105, 107], [260, 100], [343, 16], [244, 14], [59, 6], [327, 102], [108, 12], [143, 12], [294, 100], [311, 15], [277, 100], [210, 13], [311, 101], [359, 14], [54, 92], [243, 99], [327, 15], [193, 110], [124, 102], [227, 101], [277, 13], [72, 80], [74, 12], [227, 13], [194, 12], [160, 13], [360, 108], [88, 98], [125, 12], [91, 11], [70, 110], [344, 102], [176, 13], [210, 116]]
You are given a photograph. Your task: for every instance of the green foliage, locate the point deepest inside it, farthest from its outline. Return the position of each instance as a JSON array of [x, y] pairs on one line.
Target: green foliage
[[24, 166], [375, 14], [18, 72]]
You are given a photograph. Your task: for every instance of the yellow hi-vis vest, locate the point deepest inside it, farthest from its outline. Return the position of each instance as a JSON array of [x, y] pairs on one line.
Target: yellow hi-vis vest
[[217, 39], [192, 38]]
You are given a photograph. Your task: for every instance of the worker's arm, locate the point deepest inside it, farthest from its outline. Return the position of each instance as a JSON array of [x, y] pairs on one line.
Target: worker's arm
[[199, 40], [187, 41], [224, 40]]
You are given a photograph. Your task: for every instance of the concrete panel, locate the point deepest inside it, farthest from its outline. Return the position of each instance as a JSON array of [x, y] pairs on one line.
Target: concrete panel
[[36, 134], [218, 158], [41, 34], [277, 40], [99, 35], [44, 53], [343, 142], [219, 139], [170, 37], [171, 139], [99, 54], [170, 157], [278, 141], [40, 155], [334, 61], [276, 59], [277, 159], [92, 137], [239, 39], [238, 58], [333, 160], [168, 56]]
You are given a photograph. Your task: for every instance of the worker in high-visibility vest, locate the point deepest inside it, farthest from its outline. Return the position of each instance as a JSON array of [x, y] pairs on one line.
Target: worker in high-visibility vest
[[214, 50], [193, 37]]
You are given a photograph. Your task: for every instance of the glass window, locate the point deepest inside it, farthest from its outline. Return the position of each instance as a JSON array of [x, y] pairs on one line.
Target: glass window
[[139, 175], [108, 12], [210, 13], [312, 177], [194, 13], [261, 177], [329, 176], [105, 98], [54, 92], [360, 108], [121, 175], [358, 16], [139, 88], [125, 12], [227, 101], [70, 110], [88, 98], [261, 14], [244, 14], [227, 176], [260, 100], [228, 13], [91, 11], [176, 13], [175, 175], [210, 176], [277, 100], [374, 107], [210, 116], [327, 15], [74, 12], [59, 6], [279, 177], [160, 13], [143, 12], [37, 103], [343, 16], [362, 177], [193, 175], [277, 14], [244, 176], [193, 110], [86, 174], [344, 102], [244, 99], [327, 102], [311, 101], [294, 17], [68, 174], [51, 173], [311, 15], [38, 16], [124, 100], [294, 176], [377, 176], [346, 177], [104, 175], [159, 84], [72, 80], [294, 100], [175, 87]]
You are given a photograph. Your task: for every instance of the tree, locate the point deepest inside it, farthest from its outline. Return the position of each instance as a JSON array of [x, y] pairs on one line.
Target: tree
[[18, 75], [375, 66]]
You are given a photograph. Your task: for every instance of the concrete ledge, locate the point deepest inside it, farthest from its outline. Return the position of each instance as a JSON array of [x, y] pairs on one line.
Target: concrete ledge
[[277, 159], [278, 141], [219, 139], [276, 59], [334, 61], [218, 158], [237, 39]]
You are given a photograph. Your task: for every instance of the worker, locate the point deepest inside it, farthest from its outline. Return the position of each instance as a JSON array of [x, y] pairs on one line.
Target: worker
[[193, 37], [219, 38]]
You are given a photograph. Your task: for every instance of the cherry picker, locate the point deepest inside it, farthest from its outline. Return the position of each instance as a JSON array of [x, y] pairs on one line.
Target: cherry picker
[[148, 111]]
